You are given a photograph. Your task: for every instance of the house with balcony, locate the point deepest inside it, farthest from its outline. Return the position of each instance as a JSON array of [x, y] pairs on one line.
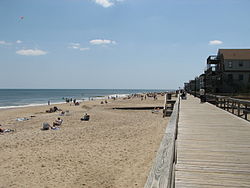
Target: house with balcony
[[228, 71]]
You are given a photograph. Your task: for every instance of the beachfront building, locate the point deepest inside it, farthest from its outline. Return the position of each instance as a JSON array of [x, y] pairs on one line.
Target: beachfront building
[[228, 71], [192, 86], [201, 81]]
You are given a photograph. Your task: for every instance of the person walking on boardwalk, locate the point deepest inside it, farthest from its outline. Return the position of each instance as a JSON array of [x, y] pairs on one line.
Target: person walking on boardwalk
[[202, 95]]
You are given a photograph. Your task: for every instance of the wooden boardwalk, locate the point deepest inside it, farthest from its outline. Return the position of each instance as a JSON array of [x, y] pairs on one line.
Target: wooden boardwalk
[[213, 147]]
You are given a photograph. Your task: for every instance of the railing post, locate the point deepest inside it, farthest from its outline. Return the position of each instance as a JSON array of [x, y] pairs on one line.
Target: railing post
[[233, 105], [246, 112], [238, 109], [227, 100]]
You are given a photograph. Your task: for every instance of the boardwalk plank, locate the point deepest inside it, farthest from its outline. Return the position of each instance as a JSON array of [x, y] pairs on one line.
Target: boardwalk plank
[[212, 147]]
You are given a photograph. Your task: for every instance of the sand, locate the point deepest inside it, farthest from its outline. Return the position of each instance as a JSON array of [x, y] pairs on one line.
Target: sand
[[115, 149]]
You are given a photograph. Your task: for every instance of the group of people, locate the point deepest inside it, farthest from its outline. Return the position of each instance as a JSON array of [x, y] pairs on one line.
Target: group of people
[[106, 102], [51, 110], [202, 95], [56, 124]]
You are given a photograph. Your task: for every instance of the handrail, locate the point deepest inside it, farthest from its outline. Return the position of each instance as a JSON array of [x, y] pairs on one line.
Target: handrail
[[238, 107], [230, 98], [162, 173]]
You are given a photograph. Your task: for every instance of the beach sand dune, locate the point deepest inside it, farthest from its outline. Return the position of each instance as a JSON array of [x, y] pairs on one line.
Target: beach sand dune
[[115, 149]]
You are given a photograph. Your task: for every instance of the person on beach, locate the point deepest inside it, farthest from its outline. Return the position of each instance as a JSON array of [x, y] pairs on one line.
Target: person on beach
[[62, 113], [54, 109], [58, 122], [6, 130], [48, 102], [85, 117], [1, 130]]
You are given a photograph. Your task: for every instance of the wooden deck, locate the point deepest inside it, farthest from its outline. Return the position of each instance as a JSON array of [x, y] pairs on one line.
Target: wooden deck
[[213, 147]]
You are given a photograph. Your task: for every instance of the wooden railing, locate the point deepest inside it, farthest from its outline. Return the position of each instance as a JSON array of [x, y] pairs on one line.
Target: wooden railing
[[162, 174], [168, 105], [237, 107]]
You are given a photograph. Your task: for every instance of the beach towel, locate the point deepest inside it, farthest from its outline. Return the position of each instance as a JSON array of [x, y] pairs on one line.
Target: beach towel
[[55, 128], [22, 119]]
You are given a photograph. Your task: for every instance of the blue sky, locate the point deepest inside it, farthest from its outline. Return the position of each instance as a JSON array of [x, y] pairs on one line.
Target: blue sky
[[144, 44]]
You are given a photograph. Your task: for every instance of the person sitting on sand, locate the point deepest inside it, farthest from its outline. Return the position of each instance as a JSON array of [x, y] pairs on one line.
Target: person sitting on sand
[[85, 117], [62, 113], [156, 110], [58, 122]]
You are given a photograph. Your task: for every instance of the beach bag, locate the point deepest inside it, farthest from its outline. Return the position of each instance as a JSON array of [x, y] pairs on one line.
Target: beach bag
[[46, 126]]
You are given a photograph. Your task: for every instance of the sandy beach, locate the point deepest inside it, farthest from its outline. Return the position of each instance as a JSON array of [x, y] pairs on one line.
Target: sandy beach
[[115, 149]]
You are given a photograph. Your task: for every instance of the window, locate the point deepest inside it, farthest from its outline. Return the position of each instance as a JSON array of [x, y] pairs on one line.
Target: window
[[240, 77], [230, 64], [230, 77], [240, 64]]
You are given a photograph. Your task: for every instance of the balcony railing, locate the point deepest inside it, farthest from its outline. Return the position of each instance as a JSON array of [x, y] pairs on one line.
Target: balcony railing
[[213, 59]]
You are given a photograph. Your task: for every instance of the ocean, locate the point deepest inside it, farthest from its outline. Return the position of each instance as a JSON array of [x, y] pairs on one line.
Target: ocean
[[12, 98]]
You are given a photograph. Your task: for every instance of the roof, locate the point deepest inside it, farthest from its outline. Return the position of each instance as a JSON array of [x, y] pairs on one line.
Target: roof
[[241, 54]]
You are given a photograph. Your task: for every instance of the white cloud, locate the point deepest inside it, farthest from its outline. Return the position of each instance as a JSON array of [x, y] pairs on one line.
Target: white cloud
[[104, 3], [4, 42], [84, 49], [19, 41], [31, 52], [215, 42], [77, 46], [74, 45], [107, 3], [101, 41]]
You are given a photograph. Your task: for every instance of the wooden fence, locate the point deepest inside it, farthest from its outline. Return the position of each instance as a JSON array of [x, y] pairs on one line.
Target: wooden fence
[[162, 174], [237, 107]]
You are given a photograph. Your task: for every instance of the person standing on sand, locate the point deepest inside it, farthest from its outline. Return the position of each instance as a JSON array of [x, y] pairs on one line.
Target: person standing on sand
[[48, 102]]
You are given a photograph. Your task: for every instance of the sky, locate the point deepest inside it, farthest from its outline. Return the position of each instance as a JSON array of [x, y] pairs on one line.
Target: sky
[[115, 44]]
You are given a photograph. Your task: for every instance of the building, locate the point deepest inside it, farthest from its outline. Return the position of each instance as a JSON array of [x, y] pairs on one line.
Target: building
[[228, 71], [201, 81]]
